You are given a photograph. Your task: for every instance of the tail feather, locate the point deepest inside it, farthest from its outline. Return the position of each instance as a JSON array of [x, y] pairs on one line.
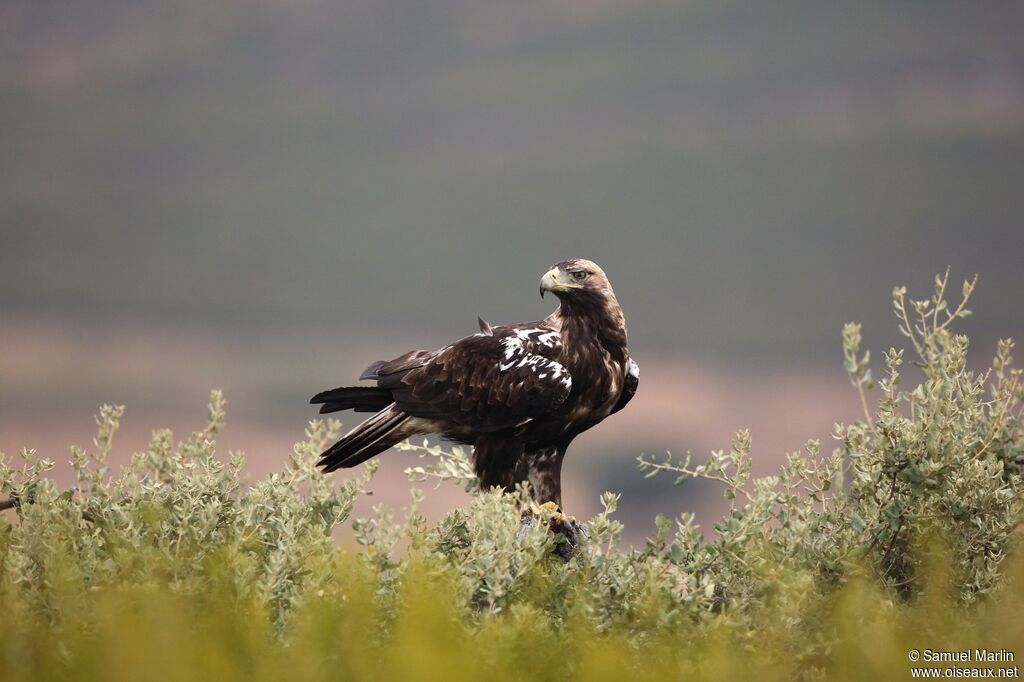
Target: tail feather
[[372, 437], [358, 398]]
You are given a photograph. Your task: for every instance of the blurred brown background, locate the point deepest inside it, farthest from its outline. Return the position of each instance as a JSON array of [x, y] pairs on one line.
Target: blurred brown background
[[266, 196]]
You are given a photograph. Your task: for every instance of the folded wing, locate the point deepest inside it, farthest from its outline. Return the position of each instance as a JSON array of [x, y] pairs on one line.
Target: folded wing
[[485, 382]]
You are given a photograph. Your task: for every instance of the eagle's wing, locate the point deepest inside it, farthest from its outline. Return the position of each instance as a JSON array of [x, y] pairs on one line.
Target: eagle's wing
[[484, 382], [629, 386], [399, 366]]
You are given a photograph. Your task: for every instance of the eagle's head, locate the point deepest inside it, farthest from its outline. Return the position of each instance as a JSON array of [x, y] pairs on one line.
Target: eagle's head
[[576, 278]]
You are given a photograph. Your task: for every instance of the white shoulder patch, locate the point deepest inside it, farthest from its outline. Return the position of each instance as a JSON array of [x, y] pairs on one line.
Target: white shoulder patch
[[516, 356], [544, 337], [634, 369]]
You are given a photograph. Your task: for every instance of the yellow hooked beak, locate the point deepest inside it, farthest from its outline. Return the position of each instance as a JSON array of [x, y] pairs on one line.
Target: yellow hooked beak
[[549, 281], [555, 280]]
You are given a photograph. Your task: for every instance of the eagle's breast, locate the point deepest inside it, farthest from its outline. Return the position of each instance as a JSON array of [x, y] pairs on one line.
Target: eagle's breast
[[597, 382]]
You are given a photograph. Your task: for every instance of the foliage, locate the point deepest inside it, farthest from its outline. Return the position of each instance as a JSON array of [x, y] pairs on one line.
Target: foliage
[[942, 459], [900, 538]]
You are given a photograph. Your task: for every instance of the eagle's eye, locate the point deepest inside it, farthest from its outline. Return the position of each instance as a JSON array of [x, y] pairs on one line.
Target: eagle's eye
[[579, 275]]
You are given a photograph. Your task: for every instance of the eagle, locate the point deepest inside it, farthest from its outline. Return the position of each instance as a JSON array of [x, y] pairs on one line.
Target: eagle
[[517, 393]]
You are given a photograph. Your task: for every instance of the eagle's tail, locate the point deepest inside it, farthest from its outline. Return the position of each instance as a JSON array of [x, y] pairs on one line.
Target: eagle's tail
[[372, 437], [358, 398]]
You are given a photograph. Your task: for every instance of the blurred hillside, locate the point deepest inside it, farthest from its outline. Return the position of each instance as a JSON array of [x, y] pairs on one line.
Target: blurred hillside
[[743, 170], [254, 195]]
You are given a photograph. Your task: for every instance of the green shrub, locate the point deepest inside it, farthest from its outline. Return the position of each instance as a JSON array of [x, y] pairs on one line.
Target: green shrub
[[839, 564], [943, 460]]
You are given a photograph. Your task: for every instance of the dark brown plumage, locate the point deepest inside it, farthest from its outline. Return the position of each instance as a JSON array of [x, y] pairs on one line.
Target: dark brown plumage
[[518, 393]]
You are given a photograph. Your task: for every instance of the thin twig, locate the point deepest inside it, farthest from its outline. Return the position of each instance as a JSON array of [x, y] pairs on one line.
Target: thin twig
[[864, 403], [877, 535], [910, 329], [14, 502], [891, 546], [959, 309], [939, 295], [667, 466]]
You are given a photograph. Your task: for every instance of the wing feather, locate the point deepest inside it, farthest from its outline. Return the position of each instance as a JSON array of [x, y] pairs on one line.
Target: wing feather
[[629, 386], [489, 382]]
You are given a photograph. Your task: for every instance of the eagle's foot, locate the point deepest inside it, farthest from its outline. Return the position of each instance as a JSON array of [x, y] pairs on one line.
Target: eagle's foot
[[568, 532]]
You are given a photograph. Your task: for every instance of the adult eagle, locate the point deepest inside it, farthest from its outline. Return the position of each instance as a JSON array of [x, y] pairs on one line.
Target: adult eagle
[[517, 393]]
